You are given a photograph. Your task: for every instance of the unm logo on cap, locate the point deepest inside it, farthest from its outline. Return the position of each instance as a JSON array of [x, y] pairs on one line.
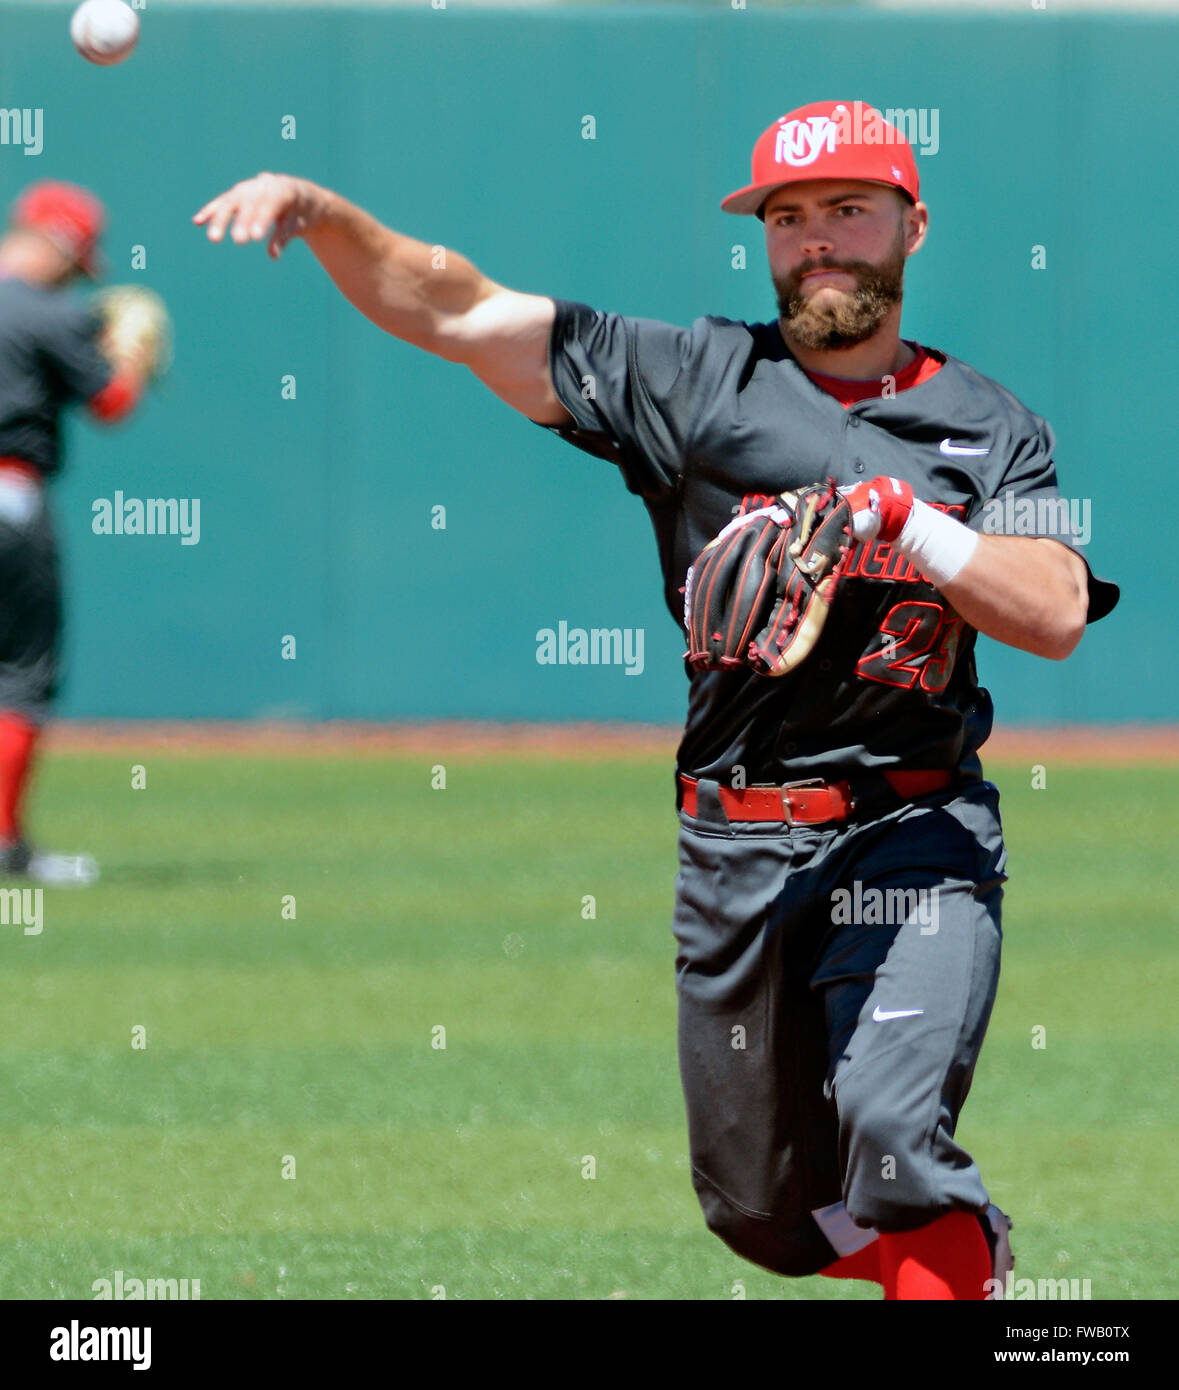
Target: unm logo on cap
[[801, 142]]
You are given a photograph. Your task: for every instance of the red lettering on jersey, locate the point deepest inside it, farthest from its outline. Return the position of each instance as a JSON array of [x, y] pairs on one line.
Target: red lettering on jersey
[[917, 641], [907, 631], [898, 569], [955, 509], [755, 501], [875, 561], [881, 561]]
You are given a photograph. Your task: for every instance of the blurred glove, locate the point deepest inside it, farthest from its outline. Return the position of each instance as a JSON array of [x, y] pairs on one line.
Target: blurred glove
[[136, 329]]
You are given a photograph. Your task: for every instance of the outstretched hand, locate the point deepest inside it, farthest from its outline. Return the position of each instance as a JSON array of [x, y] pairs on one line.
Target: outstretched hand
[[285, 206]]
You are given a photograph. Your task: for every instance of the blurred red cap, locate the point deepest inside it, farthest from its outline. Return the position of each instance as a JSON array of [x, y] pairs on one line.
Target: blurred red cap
[[71, 217]]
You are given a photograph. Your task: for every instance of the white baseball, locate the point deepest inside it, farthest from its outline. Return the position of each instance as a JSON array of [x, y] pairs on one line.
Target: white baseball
[[104, 31]]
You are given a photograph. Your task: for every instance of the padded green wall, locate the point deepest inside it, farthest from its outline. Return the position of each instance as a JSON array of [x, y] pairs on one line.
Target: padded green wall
[[464, 128]]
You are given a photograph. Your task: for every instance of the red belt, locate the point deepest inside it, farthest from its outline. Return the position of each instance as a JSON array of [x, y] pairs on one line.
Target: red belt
[[807, 803], [8, 464]]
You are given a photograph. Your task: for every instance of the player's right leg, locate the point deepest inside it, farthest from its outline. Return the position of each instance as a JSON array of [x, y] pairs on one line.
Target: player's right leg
[[752, 1038]]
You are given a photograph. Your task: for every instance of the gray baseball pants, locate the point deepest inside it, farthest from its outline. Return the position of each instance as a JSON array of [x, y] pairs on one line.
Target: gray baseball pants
[[834, 985]]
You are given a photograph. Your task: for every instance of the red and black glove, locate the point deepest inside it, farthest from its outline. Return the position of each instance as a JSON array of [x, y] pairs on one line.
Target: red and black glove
[[759, 593]]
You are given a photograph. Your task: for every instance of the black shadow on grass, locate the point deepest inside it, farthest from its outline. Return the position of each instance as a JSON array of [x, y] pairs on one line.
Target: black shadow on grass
[[172, 872]]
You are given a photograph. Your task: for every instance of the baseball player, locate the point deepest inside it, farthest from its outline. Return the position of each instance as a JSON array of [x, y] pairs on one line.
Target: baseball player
[[841, 858], [53, 352]]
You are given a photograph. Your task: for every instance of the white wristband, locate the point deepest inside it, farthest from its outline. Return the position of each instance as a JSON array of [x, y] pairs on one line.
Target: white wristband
[[937, 545]]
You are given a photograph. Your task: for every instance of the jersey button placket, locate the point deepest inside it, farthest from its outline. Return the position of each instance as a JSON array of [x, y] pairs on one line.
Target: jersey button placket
[[853, 423]]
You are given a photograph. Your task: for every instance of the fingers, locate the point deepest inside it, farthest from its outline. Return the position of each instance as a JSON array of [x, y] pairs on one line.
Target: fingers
[[285, 227], [248, 209], [865, 525], [218, 212]]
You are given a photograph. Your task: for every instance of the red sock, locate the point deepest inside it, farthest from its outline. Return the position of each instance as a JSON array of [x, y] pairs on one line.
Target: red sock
[[864, 1264], [17, 737], [948, 1259]]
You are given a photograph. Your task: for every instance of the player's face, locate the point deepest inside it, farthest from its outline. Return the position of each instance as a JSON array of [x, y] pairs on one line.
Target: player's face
[[837, 259], [52, 265]]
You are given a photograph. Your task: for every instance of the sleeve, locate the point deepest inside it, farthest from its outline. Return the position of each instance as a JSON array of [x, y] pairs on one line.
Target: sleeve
[[70, 347], [628, 383], [1027, 502], [116, 399]]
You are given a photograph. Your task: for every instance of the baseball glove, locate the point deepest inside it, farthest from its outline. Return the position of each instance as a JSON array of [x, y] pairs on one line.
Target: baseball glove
[[759, 593], [136, 329]]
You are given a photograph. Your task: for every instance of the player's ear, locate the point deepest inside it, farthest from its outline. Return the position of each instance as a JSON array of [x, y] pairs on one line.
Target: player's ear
[[915, 220]]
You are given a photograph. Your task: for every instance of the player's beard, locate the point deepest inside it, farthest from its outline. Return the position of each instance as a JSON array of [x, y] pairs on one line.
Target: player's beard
[[850, 317]]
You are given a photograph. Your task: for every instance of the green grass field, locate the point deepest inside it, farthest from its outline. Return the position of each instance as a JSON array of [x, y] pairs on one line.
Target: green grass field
[[418, 1167]]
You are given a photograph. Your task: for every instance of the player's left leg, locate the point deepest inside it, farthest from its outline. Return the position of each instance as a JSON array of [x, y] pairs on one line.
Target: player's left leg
[[908, 984], [30, 634], [29, 625], [18, 738]]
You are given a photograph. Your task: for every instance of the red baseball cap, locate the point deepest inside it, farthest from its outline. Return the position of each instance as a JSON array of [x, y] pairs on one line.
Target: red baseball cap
[[827, 140], [71, 217]]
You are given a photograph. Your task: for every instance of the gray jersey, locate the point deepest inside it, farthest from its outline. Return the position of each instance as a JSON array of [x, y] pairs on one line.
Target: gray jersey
[[709, 420], [49, 358]]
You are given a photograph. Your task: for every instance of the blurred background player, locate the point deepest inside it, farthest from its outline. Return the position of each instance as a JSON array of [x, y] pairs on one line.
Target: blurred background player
[[53, 353]]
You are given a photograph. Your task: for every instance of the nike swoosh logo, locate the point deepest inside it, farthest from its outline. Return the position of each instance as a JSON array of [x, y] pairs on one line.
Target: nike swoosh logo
[[879, 1015], [947, 448]]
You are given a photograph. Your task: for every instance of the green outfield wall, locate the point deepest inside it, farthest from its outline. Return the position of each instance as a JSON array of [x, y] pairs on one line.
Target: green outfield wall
[[467, 129]]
